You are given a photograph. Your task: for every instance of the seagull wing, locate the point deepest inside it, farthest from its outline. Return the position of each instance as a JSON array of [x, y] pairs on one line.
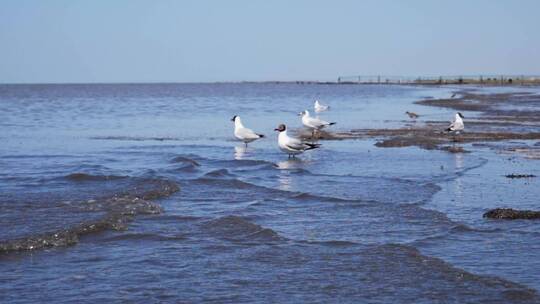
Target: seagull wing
[[296, 144], [247, 133], [317, 123]]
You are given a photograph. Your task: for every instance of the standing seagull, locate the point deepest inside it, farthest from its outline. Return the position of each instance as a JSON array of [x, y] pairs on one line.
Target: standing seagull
[[457, 125], [320, 107], [242, 133], [315, 124], [291, 145]]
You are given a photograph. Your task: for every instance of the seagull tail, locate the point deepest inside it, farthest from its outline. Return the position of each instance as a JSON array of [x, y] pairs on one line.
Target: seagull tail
[[332, 123], [261, 135], [312, 146]]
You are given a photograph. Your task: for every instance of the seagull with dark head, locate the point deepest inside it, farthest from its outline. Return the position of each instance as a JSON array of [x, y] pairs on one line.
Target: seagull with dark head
[[291, 145]]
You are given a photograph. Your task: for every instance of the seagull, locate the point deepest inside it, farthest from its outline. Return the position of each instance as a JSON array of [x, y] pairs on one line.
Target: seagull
[[320, 107], [315, 124], [457, 125], [291, 145], [412, 115], [242, 133]]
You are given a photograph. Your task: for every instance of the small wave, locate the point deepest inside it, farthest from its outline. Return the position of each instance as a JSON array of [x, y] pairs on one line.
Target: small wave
[[187, 160], [65, 237], [44, 156], [134, 138], [438, 269], [236, 228], [312, 197], [220, 173], [332, 243], [187, 168], [81, 177], [464, 228], [242, 163], [118, 211], [230, 183], [178, 218], [143, 237]]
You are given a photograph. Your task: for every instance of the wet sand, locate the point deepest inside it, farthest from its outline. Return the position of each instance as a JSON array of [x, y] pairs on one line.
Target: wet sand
[[498, 117]]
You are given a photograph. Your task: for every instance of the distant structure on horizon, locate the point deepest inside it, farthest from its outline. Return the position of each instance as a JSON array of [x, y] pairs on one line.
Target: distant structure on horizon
[[439, 80]]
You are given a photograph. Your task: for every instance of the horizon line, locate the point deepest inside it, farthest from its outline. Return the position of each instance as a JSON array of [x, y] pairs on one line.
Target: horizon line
[[335, 80]]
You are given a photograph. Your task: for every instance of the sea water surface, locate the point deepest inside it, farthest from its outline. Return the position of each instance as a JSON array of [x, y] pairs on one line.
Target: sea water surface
[[139, 193]]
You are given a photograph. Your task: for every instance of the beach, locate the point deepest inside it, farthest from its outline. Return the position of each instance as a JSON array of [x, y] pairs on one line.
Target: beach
[[139, 192]]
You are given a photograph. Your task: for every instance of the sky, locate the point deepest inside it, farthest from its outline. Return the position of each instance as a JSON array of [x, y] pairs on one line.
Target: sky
[[71, 41]]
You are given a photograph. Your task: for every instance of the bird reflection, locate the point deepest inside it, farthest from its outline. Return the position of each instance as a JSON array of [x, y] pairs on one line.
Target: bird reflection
[[240, 152], [293, 163], [458, 159], [284, 178], [458, 188]]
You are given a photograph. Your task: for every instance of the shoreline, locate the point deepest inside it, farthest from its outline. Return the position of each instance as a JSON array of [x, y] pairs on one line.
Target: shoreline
[[529, 83], [496, 121]]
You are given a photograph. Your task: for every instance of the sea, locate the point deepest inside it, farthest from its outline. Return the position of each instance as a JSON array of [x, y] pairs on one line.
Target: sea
[[139, 193]]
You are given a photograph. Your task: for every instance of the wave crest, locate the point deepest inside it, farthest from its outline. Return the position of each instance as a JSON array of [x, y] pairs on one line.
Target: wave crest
[[118, 210], [236, 228]]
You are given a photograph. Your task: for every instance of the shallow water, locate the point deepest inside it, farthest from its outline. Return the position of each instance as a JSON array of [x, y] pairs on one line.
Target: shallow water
[[139, 192]]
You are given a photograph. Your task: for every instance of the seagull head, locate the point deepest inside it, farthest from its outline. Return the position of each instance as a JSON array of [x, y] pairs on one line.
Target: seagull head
[[281, 128], [234, 118], [460, 115]]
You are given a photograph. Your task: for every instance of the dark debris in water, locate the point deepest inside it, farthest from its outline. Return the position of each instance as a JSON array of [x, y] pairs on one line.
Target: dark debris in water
[[512, 214], [514, 175]]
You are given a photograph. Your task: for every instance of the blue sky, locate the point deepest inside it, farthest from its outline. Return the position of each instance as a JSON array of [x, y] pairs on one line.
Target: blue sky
[[205, 41]]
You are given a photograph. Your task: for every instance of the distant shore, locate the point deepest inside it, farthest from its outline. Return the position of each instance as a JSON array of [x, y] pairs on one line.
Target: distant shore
[[359, 80]]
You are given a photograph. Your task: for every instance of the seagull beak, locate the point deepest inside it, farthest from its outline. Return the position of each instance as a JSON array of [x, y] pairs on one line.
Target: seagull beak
[[276, 129], [301, 113]]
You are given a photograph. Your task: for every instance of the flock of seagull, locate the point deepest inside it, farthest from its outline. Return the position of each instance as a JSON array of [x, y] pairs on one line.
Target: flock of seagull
[[293, 146]]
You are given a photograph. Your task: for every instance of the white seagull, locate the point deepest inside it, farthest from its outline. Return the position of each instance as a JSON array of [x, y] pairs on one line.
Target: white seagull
[[315, 124], [457, 125], [320, 107], [291, 145], [242, 133]]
